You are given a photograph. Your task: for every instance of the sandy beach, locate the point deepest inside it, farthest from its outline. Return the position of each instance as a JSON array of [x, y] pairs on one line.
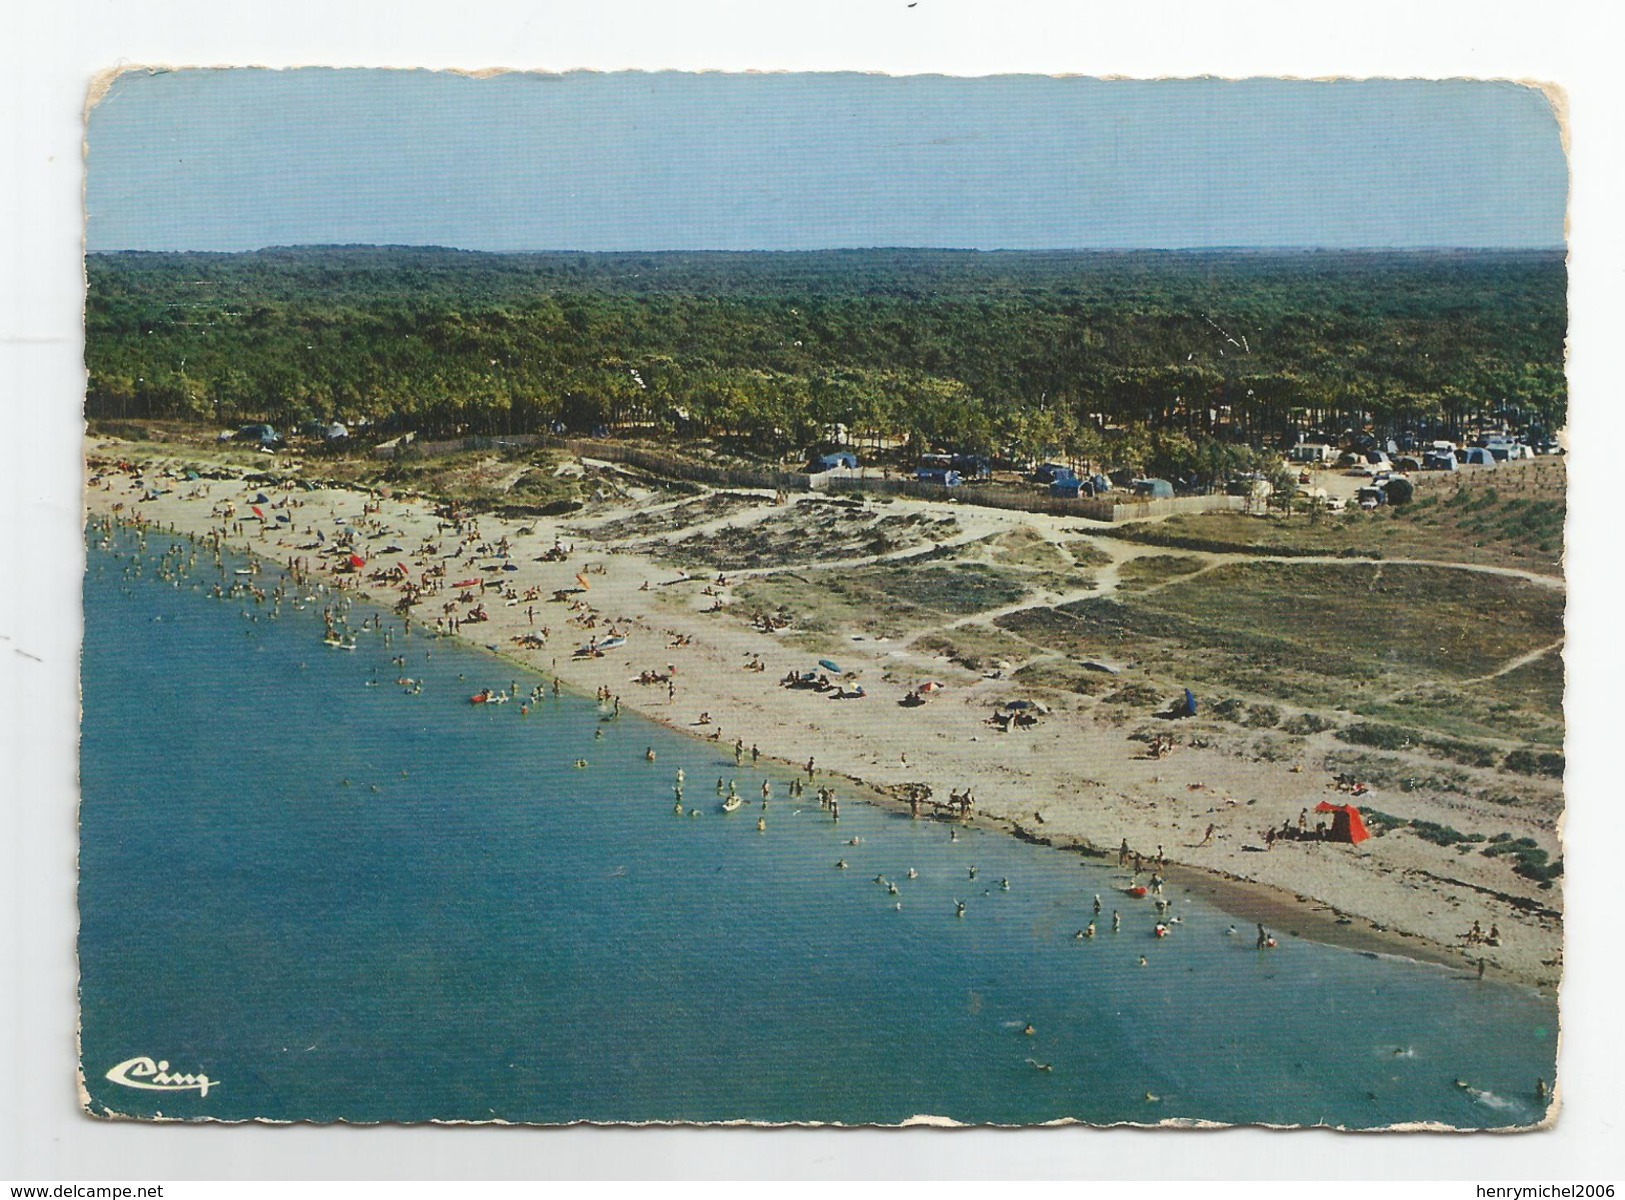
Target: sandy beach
[[1072, 779]]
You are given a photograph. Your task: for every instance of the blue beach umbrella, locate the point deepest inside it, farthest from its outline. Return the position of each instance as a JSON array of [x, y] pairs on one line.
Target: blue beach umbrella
[[829, 666]]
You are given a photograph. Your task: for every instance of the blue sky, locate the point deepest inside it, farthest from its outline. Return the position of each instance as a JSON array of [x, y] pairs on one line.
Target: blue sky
[[239, 159]]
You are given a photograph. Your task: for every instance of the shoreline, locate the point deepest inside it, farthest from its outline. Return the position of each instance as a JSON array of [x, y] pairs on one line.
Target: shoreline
[[1291, 914], [1285, 908]]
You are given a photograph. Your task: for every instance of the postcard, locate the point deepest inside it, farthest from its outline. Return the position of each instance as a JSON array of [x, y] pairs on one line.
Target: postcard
[[822, 599]]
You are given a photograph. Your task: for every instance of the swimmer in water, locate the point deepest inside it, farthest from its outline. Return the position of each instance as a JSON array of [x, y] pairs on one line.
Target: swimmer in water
[[649, 754], [1089, 930], [959, 908], [913, 874], [1029, 1031], [1117, 921], [1144, 962], [761, 824], [1004, 885], [841, 864]]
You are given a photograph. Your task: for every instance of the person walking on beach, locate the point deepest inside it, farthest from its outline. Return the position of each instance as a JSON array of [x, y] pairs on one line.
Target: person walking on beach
[[739, 751], [1263, 938], [1207, 838], [809, 768], [754, 754], [1123, 853]]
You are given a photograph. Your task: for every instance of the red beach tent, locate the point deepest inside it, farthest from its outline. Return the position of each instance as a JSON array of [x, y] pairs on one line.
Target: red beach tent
[[1347, 824]]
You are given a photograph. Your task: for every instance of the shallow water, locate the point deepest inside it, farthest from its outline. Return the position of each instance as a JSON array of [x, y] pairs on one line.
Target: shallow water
[[342, 901]]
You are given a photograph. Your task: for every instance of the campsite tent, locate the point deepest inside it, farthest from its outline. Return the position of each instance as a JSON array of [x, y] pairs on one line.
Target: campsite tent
[[1477, 456], [1154, 489], [1347, 825], [1399, 490], [830, 462]]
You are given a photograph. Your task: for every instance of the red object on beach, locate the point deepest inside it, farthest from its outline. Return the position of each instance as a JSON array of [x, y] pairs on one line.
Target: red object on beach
[[1139, 890], [477, 698], [405, 573], [468, 583], [257, 511], [357, 561], [1347, 824]]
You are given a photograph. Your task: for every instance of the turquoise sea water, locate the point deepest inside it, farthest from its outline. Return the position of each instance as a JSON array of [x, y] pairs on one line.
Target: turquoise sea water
[[342, 901]]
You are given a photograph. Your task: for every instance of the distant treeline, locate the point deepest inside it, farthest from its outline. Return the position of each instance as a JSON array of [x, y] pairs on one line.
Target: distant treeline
[[1036, 353]]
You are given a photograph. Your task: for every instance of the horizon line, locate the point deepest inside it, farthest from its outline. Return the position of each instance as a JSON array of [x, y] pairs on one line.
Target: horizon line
[[1280, 248]]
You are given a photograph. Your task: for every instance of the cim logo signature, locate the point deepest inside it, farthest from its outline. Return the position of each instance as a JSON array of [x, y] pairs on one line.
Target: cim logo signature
[[151, 1076]]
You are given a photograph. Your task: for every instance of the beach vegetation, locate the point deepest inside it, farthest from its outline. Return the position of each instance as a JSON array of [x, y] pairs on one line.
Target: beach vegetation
[[1152, 569], [1085, 553], [1306, 723], [1526, 761]]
